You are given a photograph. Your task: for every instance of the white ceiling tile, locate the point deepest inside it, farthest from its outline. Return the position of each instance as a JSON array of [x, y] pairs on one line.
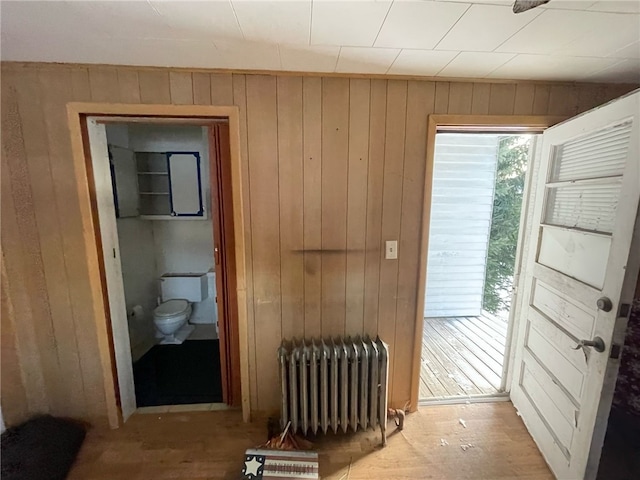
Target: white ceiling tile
[[568, 4], [475, 64], [22, 20], [482, 2], [347, 23], [625, 71], [484, 27], [275, 22], [248, 55], [418, 24], [545, 67], [421, 62], [599, 40], [198, 20], [126, 19], [365, 60], [619, 6], [550, 31], [629, 51], [308, 59]]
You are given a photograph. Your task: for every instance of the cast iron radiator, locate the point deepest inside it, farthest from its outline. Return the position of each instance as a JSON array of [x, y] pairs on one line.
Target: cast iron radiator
[[338, 383]]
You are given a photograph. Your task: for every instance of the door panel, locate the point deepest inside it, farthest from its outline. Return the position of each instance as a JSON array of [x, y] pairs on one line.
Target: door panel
[[584, 212]]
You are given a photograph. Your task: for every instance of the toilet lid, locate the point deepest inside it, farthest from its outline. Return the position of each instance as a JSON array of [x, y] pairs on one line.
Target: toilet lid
[[171, 308]]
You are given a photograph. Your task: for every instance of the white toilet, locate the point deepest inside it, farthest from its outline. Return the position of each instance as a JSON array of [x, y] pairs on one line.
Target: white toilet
[[178, 292]]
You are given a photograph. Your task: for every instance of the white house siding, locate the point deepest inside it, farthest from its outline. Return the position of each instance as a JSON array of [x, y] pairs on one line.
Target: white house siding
[[461, 208]]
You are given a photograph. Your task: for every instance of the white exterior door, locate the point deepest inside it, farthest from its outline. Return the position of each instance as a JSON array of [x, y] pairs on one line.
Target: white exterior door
[[578, 283]]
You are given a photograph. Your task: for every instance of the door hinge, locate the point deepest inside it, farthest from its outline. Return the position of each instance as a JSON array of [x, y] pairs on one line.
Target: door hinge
[[216, 254]]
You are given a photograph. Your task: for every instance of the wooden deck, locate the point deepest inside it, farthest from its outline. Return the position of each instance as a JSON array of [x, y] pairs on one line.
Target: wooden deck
[[462, 356]]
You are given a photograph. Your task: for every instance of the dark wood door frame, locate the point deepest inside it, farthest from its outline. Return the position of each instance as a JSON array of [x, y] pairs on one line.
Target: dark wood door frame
[[225, 261]]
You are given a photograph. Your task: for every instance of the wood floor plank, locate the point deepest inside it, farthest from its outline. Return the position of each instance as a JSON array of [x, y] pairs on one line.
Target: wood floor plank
[[477, 333], [473, 367], [494, 363], [501, 323], [211, 445], [434, 363], [491, 327], [432, 384], [462, 383], [480, 341]]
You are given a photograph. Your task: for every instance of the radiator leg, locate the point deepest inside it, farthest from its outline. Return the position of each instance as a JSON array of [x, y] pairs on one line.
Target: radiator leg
[[383, 431]]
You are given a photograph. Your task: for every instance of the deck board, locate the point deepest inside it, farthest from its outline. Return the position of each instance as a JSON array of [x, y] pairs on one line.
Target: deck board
[[462, 356]]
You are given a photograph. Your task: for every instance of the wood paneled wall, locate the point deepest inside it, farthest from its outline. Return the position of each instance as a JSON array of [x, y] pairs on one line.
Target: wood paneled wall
[[332, 167]]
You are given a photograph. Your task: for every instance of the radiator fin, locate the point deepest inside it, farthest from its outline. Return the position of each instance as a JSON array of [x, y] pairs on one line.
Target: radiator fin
[[337, 383]]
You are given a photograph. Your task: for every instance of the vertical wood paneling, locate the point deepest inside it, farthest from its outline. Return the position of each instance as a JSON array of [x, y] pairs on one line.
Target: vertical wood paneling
[[541, 100], [80, 85], [330, 166], [78, 342], [202, 88], [240, 99], [291, 182], [391, 212], [359, 98], [480, 101], [562, 100], [129, 86], [502, 99], [262, 147], [312, 171], [15, 408], [27, 290], [104, 84], [221, 89], [525, 93], [335, 158], [154, 86], [181, 87], [420, 103], [460, 98], [442, 97], [375, 178]]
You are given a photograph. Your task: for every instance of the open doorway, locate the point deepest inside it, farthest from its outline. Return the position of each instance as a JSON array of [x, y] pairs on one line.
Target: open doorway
[[163, 210], [164, 205], [477, 196]]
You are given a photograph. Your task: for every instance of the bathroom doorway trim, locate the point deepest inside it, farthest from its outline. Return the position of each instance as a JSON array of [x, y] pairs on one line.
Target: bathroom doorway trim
[[77, 116]]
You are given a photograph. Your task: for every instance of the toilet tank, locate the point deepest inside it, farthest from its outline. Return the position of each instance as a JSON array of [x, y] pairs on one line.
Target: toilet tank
[[192, 287]]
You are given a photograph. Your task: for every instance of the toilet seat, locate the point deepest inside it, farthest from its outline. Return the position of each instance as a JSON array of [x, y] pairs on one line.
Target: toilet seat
[[171, 308]]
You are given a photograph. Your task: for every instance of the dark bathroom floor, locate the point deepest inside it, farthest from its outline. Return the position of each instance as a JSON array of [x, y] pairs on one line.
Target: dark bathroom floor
[[179, 374]]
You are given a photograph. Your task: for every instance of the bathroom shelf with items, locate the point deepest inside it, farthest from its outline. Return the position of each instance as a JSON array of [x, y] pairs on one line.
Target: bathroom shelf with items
[[169, 185]]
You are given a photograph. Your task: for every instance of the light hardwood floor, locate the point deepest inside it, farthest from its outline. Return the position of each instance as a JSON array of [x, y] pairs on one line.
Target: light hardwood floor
[[462, 356], [210, 445]]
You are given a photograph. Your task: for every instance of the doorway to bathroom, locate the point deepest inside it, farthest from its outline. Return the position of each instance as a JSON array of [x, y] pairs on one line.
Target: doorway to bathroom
[[163, 208], [166, 221]]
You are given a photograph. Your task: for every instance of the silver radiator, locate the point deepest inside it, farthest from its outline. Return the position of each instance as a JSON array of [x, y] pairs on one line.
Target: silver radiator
[[337, 383]]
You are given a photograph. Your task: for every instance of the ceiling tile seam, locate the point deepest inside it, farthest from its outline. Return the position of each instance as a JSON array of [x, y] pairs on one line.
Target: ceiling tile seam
[[611, 55], [163, 20], [596, 72], [382, 24], [448, 63], [386, 72], [488, 75], [518, 31], [235, 15], [452, 26], [335, 67]]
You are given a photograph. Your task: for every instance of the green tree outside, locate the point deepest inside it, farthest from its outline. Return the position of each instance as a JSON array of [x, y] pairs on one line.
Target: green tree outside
[[513, 152]]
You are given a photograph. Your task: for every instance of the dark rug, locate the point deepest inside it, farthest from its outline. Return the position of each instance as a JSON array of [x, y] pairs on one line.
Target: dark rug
[[42, 448], [179, 374]]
